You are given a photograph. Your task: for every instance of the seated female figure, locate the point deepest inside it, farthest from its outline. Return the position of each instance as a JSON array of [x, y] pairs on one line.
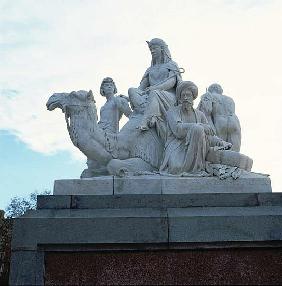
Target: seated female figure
[[158, 86]]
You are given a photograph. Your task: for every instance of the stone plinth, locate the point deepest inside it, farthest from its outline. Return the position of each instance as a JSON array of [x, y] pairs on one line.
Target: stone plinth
[[148, 184], [173, 229]]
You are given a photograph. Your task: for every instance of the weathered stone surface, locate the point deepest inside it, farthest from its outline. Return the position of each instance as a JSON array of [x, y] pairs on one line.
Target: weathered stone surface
[[249, 183], [154, 221], [53, 202], [97, 185], [270, 199], [147, 184], [117, 201], [153, 201], [137, 185], [225, 224], [27, 268], [90, 226]]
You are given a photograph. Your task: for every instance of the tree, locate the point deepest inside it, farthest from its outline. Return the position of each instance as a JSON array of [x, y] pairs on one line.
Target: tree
[[5, 249], [19, 205]]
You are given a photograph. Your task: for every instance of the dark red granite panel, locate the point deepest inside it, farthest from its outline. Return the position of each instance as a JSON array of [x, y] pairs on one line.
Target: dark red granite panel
[[166, 267]]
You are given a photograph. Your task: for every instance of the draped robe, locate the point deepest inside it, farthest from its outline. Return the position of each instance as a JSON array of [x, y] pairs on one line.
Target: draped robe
[[186, 145]]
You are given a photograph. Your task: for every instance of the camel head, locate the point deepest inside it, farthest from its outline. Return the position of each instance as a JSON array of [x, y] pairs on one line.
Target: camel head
[[71, 100]]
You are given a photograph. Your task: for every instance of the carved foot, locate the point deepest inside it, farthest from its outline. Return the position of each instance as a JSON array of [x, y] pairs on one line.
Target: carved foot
[[90, 173]]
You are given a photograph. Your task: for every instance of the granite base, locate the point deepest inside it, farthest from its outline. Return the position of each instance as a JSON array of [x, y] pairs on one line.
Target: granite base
[[168, 223]]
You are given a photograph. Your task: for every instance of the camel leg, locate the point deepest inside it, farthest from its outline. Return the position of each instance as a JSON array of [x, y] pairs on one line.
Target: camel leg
[[94, 169]]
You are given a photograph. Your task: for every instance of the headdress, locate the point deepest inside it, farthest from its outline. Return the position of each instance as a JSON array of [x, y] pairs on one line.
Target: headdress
[[166, 57], [186, 85]]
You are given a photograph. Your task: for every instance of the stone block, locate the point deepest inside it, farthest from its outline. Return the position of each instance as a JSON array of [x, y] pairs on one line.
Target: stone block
[[249, 183], [90, 226], [159, 201], [117, 201], [225, 224], [94, 186], [209, 200], [164, 201], [137, 185], [53, 202], [270, 199], [108, 185], [27, 268]]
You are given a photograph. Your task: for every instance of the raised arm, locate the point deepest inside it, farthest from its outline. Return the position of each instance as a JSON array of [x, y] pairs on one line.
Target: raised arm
[[124, 106]]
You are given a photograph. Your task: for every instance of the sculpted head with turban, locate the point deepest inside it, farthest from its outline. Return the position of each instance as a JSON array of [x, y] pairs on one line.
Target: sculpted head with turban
[[186, 93]]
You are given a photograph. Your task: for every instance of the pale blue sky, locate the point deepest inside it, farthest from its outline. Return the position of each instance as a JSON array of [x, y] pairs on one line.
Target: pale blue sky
[[23, 171], [64, 45]]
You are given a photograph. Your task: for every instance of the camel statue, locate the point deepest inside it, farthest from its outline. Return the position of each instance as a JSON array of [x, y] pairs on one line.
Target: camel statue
[[128, 151]]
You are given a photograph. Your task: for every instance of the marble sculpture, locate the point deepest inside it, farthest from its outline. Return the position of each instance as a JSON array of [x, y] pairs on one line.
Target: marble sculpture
[[164, 135], [219, 110]]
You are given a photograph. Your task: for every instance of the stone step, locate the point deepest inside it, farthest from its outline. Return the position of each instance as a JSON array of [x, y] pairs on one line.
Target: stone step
[[158, 201], [147, 225]]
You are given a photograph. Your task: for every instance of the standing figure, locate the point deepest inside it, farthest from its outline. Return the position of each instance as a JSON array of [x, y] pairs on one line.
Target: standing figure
[[158, 86], [220, 112], [110, 115], [115, 106]]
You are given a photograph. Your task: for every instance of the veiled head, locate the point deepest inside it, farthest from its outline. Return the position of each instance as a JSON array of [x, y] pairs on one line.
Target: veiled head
[[159, 44]]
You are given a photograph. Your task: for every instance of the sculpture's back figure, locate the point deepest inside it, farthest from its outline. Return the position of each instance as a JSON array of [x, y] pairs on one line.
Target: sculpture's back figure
[[220, 112]]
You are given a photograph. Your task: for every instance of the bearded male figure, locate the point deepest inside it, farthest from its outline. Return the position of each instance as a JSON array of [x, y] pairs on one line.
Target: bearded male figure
[[189, 134]]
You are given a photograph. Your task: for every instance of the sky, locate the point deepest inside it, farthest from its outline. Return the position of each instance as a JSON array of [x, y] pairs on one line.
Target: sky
[[65, 45]]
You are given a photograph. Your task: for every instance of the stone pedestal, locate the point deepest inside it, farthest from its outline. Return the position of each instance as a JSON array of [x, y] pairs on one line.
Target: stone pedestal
[[149, 238], [157, 184]]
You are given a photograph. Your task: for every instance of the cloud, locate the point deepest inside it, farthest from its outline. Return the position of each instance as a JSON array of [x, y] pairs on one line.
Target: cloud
[[9, 93], [56, 46]]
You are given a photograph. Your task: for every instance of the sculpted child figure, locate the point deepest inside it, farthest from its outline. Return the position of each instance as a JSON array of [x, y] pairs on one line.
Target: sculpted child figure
[[110, 115], [115, 106], [158, 86], [220, 112]]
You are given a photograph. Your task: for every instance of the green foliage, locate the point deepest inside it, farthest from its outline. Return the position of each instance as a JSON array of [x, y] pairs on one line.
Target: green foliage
[[19, 205]]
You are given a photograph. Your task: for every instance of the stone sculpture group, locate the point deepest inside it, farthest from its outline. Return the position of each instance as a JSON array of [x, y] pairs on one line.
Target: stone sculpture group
[[164, 135]]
